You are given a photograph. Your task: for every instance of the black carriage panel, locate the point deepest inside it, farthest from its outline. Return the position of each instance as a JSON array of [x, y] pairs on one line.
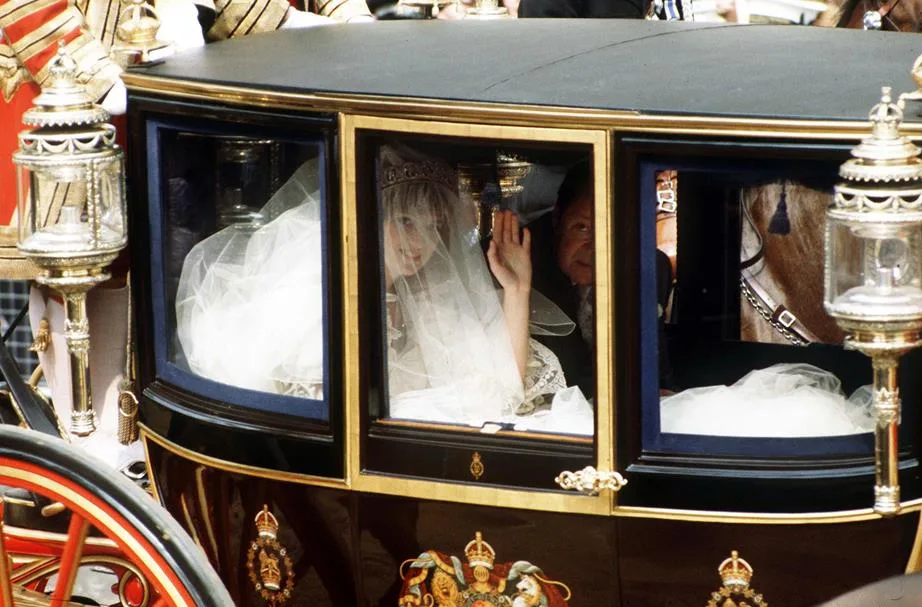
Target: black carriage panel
[[442, 397], [733, 384], [237, 311]]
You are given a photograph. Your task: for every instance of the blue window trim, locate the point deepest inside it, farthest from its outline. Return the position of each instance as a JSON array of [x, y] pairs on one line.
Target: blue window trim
[[163, 329]]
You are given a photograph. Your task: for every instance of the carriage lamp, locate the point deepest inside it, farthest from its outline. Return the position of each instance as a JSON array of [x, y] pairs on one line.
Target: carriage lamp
[[247, 175], [511, 169], [873, 272], [71, 206], [136, 36]]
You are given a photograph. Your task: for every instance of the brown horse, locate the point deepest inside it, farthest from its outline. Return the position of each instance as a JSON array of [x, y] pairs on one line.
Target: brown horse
[[782, 275], [891, 15]]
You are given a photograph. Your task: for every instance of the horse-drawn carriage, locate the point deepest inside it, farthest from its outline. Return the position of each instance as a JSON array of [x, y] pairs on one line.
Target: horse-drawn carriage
[[342, 400]]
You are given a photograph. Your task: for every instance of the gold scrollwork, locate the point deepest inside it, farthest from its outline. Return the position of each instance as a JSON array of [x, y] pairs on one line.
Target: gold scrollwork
[[477, 468], [268, 563], [590, 481]]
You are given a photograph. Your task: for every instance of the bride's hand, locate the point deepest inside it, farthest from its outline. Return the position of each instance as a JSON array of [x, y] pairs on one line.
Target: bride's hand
[[509, 254]]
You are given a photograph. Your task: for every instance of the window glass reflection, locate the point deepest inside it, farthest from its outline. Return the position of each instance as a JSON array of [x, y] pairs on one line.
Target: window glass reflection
[[468, 241], [245, 262], [741, 324]]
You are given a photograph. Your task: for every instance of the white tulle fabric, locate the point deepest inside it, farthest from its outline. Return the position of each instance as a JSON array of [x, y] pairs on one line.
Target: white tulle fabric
[[786, 400], [249, 308], [449, 355]]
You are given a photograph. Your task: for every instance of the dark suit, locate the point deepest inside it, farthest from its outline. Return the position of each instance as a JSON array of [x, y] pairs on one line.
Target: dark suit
[[593, 9], [574, 353]]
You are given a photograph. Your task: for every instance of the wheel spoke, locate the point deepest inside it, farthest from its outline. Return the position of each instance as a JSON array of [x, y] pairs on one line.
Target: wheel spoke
[[70, 559], [6, 586]]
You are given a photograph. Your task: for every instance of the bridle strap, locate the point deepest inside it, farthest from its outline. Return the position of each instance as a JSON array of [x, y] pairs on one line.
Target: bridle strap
[[776, 314], [886, 7], [856, 19]]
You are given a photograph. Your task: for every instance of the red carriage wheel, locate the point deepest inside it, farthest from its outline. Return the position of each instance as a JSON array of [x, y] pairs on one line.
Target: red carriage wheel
[[114, 527]]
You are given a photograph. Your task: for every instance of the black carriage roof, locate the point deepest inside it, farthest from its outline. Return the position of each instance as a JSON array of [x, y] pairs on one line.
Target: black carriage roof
[[649, 67]]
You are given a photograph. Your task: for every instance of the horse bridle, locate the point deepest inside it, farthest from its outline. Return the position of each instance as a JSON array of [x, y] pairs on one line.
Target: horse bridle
[[776, 314], [873, 19]]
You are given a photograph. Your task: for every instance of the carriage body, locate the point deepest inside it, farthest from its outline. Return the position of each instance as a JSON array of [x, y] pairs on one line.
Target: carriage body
[[358, 495]]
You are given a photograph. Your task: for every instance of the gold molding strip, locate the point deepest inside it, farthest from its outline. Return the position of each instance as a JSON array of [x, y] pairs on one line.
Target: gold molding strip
[[533, 499], [506, 113], [762, 518], [146, 434], [564, 438], [350, 290]]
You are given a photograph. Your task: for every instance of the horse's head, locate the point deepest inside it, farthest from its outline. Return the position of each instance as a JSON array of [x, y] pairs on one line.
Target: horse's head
[[793, 260], [890, 15]]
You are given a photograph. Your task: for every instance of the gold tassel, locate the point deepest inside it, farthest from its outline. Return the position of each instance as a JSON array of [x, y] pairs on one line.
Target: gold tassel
[[127, 416], [127, 401]]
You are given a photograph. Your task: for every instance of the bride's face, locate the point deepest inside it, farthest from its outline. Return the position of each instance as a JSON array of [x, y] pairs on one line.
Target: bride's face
[[410, 240]]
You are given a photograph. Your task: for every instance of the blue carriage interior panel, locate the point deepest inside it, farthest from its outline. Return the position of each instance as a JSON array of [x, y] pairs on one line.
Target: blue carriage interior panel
[[708, 350], [170, 363]]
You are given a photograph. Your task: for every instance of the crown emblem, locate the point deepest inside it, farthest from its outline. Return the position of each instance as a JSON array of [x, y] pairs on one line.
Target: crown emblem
[[479, 553], [267, 526], [736, 573], [268, 564]]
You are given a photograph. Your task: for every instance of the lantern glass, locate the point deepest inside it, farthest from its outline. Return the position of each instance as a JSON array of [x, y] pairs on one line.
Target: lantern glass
[[875, 263], [72, 207]]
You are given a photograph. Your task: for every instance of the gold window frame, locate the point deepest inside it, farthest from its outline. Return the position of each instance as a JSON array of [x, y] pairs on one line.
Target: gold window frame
[[357, 478]]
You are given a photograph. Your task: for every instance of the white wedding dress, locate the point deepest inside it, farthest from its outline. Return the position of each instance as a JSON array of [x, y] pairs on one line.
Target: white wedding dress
[[249, 308], [781, 401]]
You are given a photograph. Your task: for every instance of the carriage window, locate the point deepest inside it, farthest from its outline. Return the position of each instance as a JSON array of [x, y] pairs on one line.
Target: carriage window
[[744, 347], [243, 269], [487, 257]]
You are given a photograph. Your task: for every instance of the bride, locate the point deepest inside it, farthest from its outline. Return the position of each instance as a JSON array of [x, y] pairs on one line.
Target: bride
[[458, 351]]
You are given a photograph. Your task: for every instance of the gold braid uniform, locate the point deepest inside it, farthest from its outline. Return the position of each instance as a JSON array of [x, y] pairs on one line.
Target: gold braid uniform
[[234, 18]]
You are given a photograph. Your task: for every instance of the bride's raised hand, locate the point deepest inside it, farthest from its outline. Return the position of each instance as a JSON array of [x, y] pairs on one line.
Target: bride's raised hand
[[509, 253]]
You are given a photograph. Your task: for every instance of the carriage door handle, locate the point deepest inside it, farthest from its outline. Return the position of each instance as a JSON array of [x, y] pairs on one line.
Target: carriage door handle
[[590, 481]]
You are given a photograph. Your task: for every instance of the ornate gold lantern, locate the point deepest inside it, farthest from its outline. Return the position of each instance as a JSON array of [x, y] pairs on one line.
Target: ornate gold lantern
[[136, 36], [72, 210], [873, 272]]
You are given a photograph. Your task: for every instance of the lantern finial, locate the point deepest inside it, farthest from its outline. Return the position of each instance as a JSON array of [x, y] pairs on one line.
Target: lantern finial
[[136, 36], [885, 156], [64, 100]]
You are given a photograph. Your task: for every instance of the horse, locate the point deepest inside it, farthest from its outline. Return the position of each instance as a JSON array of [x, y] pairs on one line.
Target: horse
[[888, 15], [782, 272]]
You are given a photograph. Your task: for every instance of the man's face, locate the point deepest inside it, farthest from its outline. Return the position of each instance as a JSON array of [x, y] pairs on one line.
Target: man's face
[[575, 251]]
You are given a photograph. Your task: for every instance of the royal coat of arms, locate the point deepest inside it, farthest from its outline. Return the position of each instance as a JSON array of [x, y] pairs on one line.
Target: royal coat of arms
[[268, 564], [435, 579]]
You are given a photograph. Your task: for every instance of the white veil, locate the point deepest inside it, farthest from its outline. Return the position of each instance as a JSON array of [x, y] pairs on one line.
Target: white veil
[[449, 355], [249, 308]]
